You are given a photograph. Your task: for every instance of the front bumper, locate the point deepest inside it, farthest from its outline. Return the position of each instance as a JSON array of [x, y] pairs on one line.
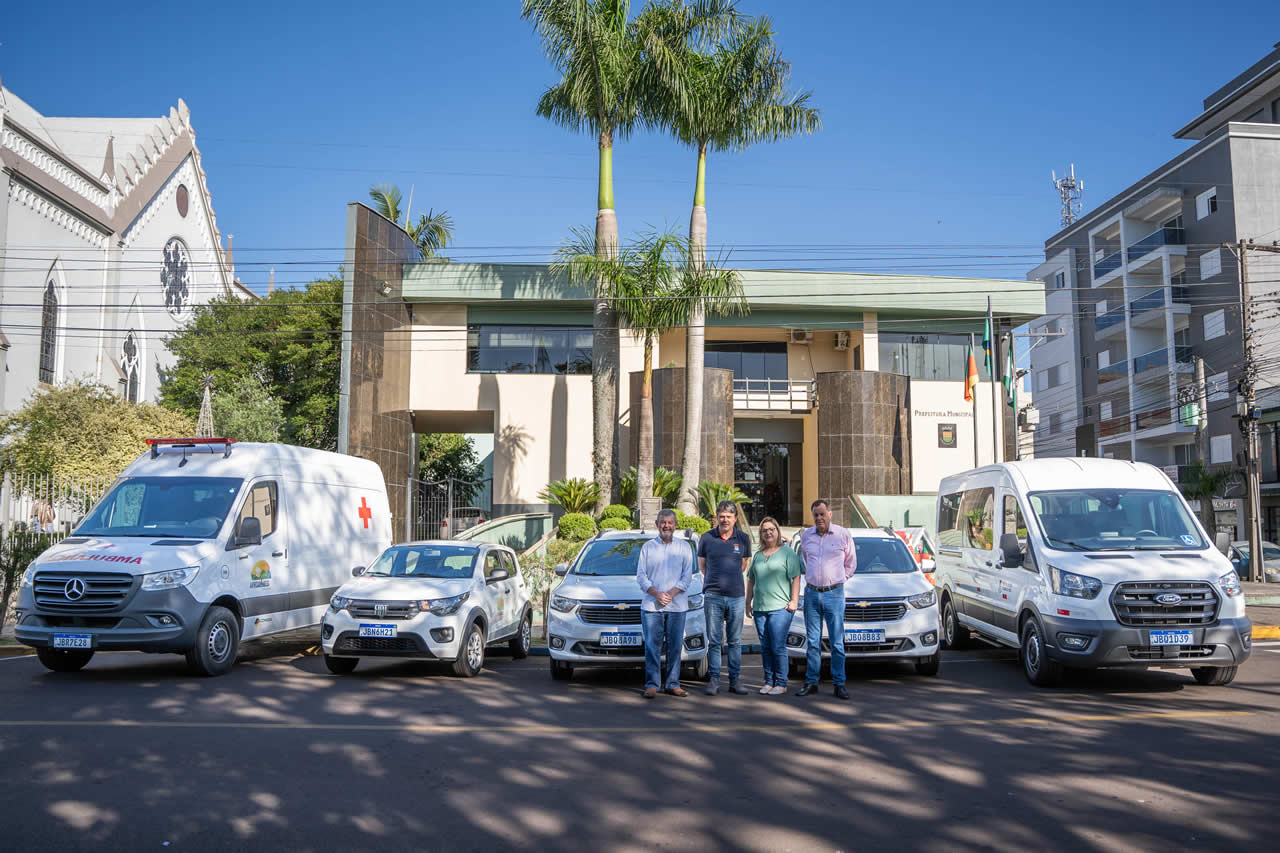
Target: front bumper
[[425, 636], [1227, 642], [148, 621], [913, 636], [571, 640]]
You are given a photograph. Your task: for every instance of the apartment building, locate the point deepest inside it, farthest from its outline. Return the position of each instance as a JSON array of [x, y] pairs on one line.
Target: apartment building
[[1142, 285]]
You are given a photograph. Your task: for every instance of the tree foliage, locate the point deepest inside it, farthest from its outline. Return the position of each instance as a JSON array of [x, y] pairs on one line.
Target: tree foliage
[[247, 411], [432, 232], [576, 494], [290, 342], [449, 454], [83, 429]]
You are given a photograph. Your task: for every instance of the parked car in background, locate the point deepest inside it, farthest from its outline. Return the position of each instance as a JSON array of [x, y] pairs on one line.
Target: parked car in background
[[461, 518], [1239, 555], [890, 611], [435, 600], [595, 611], [1083, 562]]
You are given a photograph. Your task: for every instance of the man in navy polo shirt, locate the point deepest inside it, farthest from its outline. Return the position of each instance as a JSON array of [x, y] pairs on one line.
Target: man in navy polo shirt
[[723, 554]]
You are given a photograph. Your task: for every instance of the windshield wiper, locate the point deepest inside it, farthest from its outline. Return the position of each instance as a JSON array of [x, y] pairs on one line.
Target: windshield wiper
[[377, 574], [1075, 545]]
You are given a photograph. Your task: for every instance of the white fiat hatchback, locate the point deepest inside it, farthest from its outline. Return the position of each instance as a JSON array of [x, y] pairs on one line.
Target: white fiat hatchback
[[595, 612], [890, 609], [432, 601]]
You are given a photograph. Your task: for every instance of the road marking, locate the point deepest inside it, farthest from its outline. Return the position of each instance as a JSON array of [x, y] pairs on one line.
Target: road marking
[[411, 728], [1269, 643], [14, 657]]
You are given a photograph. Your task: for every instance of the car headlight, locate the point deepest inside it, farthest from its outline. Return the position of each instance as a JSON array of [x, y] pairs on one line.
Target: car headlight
[[171, 579], [923, 600], [1230, 584], [560, 604], [1073, 585], [444, 606], [339, 602], [695, 602], [28, 576]]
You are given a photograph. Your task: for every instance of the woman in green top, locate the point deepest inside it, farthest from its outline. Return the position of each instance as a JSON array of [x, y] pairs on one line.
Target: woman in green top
[[773, 594]]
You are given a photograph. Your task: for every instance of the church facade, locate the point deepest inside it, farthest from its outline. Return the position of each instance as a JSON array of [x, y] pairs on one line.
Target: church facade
[[108, 240]]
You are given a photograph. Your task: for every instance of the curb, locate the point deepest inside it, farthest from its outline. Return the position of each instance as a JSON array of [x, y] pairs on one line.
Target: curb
[[8, 651], [1266, 632]]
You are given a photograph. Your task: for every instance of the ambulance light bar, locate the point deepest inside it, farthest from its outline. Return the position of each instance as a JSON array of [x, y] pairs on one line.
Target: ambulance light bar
[[156, 443]]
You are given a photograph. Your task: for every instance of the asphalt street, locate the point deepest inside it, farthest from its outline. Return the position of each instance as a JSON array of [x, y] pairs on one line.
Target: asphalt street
[[135, 754]]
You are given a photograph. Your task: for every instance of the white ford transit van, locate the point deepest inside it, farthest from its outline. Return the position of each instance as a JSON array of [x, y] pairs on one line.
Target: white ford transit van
[[202, 543], [1086, 563]]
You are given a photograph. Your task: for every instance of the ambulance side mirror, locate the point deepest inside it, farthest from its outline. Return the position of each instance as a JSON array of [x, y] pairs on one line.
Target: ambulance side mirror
[[250, 532]]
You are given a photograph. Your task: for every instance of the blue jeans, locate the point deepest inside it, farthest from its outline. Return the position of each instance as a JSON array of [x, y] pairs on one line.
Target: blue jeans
[[824, 608], [657, 627], [721, 610], [772, 627]]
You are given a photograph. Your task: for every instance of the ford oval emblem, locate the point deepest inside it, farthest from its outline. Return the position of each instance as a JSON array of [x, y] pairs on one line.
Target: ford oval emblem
[[1168, 599]]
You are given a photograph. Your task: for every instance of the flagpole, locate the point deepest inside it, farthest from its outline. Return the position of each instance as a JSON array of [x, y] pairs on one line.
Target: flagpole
[[974, 395], [992, 369]]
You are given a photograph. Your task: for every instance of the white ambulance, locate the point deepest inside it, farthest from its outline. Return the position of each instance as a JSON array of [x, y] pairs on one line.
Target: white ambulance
[[201, 544]]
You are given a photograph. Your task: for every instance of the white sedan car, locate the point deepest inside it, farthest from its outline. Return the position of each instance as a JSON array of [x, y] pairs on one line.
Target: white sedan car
[[595, 612], [890, 610], [438, 600]]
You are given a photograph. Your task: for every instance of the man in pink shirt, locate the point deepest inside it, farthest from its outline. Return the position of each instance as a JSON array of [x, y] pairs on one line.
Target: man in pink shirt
[[829, 560]]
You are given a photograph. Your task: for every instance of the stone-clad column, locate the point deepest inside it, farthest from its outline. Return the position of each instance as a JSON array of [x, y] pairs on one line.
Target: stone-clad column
[[668, 421], [864, 436]]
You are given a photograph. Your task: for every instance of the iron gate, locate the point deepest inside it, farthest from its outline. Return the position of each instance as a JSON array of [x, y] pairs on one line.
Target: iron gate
[[441, 509]]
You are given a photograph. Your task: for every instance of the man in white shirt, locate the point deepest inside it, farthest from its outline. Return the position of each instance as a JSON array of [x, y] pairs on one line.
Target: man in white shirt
[[664, 572]]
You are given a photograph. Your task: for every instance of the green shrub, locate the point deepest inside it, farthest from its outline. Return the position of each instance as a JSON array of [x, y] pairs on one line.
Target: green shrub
[[615, 523], [562, 551], [616, 511], [692, 522], [576, 494], [576, 527]]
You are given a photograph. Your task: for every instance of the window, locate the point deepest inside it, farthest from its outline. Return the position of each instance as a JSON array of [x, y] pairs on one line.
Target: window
[[129, 364], [1059, 280], [1104, 359], [930, 356], [1210, 264], [49, 334], [260, 504], [1088, 412], [977, 519], [1184, 454], [1220, 449], [1106, 410], [1055, 423], [1217, 388], [1114, 519], [1215, 324], [492, 562], [1014, 523], [949, 519], [748, 359], [509, 563], [1101, 308], [1207, 203], [528, 349], [182, 507], [1267, 452]]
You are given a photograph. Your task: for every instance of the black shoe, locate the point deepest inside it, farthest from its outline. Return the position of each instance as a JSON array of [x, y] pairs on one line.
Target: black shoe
[[713, 687], [807, 689], [842, 693], [735, 686]]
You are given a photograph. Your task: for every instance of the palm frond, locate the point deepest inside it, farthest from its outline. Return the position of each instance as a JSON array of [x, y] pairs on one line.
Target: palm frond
[[386, 200]]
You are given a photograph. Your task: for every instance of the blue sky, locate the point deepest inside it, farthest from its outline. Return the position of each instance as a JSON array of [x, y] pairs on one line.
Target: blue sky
[[942, 122]]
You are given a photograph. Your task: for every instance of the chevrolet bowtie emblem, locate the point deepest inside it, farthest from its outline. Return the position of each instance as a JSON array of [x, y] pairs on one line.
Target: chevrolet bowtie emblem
[[864, 603], [622, 605]]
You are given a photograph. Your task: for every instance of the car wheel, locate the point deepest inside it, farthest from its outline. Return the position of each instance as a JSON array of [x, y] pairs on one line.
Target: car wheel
[[217, 643], [701, 668], [471, 654], [64, 660], [929, 665], [796, 668], [523, 639], [1036, 665], [561, 670], [954, 635], [341, 666], [1215, 676]]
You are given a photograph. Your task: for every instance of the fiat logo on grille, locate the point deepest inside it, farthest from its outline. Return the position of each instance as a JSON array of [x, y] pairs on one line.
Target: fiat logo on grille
[[74, 590], [379, 610], [1168, 599]]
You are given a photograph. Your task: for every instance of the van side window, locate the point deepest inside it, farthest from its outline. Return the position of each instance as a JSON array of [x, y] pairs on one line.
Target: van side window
[[261, 503], [949, 520], [977, 518], [1014, 522]]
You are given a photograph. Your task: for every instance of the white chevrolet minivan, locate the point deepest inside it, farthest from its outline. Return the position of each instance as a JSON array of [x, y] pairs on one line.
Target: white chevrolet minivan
[[1086, 563], [200, 544]]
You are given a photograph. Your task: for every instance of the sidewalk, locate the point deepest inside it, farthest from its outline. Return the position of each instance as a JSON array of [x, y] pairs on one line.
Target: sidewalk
[[1263, 600]]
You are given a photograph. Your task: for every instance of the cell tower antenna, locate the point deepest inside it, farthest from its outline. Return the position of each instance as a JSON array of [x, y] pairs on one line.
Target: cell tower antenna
[[1071, 189]]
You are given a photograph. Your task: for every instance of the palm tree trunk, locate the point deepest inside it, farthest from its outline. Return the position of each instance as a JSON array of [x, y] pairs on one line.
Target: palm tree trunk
[[604, 340], [644, 470], [695, 346]]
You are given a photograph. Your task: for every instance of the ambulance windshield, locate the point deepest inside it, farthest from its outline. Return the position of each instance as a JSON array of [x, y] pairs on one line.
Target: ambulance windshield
[[181, 507]]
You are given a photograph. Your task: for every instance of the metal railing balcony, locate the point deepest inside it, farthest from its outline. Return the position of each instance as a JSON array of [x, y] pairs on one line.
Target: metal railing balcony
[[1160, 237], [1147, 302], [1114, 426], [1153, 418], [1110, 263], [774, 395], [1114, 317], [1112, 372], [1151, 360], [1182, 354]]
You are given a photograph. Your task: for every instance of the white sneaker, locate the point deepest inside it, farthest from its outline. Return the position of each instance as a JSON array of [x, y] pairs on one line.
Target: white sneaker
[[777, 690], [766, 690]]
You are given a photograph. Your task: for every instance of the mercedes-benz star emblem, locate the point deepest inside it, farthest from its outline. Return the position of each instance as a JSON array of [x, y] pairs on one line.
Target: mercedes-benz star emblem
[[74, 590]]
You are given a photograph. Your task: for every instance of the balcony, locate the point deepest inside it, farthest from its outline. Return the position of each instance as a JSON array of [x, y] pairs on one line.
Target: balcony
[[1154, 360], [1148, 310], [1109, 322], [1113, 426], [1107, 265], [1160, 237], [773, 395], [1113, 373], [1153, 418]]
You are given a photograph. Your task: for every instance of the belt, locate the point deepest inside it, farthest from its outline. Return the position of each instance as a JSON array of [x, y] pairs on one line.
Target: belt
[[824, 588]]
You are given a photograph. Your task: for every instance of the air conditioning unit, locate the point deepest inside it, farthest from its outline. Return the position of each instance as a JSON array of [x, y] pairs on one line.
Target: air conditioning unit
[[842, 340], [802, 336]]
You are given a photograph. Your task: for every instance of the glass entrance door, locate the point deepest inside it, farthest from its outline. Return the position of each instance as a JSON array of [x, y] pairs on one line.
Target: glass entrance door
[[761, 471]]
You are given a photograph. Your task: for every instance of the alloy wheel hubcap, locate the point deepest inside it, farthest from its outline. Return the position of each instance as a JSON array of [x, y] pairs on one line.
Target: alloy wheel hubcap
[[525, 630], [475, 650]]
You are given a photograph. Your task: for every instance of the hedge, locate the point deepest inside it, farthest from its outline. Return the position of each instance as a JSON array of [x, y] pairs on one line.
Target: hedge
[[576, 527]]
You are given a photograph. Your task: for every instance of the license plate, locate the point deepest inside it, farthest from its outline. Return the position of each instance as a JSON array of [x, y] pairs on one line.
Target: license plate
[[620, 639], [73, 641], [367, 630], [876, 636], [1171, 638]]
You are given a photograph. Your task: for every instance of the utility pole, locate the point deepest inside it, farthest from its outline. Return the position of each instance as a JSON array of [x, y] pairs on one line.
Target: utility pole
[[1201, 395]]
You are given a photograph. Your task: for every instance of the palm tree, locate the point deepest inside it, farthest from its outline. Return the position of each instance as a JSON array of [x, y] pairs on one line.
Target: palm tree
[[432, 232], [1203, 483], [732, 98]]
